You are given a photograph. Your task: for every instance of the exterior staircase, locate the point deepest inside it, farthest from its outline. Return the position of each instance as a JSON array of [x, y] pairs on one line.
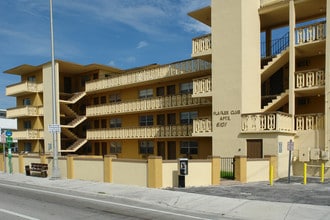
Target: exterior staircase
[[67, 110], [75, 146], [276, 63], [277, 102], [75, 122], [69, 133], [75, 98]]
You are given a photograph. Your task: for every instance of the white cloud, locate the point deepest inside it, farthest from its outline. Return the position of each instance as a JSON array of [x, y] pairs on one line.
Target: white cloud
[[142, 44], [111, 63]]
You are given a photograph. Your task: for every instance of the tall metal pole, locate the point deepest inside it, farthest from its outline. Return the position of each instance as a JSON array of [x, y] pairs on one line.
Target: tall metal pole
[[55, 171]]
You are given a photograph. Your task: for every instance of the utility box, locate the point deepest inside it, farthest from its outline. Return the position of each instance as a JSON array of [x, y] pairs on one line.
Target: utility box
[[315, 154], [325, 155], [304, 155]]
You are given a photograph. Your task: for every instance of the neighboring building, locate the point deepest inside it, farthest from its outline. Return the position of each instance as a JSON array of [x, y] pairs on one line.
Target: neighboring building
[[243, 93], [7, 124]]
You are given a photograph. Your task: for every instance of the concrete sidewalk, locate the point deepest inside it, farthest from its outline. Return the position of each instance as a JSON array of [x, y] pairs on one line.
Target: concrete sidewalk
[[223, 207]]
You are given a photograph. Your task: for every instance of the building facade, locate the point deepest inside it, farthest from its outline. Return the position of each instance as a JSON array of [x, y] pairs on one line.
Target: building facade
[[246, 91]]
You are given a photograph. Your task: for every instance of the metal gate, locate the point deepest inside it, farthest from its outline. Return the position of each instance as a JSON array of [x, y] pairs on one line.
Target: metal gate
[[227, 168]]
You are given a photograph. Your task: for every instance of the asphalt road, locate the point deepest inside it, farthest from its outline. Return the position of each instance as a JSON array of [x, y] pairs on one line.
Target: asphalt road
[[314, 192], [22, 201]]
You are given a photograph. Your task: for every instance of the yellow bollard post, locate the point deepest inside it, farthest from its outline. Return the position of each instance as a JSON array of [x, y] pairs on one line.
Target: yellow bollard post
[[271, 175], [305, 173], [322, 173]]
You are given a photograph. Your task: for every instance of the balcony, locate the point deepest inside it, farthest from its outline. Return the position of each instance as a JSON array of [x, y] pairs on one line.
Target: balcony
[[169, 131], [202, 127], [151, 104], [202, 87], [311, 33], [310, 80], [306, 122], [24, 111], [266, 122], [23, 88], [201, 46], [29, 134], [153, 74]]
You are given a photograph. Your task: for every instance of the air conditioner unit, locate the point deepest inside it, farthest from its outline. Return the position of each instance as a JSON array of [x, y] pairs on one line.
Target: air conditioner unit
[[315, 154], [325, 155], [304, 155]]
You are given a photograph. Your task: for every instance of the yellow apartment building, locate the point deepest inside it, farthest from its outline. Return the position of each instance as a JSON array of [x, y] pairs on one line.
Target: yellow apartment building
[[246, 91]]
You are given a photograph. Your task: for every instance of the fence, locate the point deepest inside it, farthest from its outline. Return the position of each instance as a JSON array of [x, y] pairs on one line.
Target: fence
[[227, 168]]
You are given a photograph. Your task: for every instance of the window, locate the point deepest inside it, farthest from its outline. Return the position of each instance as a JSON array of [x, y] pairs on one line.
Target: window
[[160, 91], [27, 124], [27, 147], [103, 99], [84, 79], [186, 88], [95, 76], [26, 101], [186, 118], [146, 120], [170, 90], [103, 123], [115, 122], [161, 119], [145, 93], [115, 98], [115, 147], [146, 147], [188, 147], [171, 119], [31, 79]]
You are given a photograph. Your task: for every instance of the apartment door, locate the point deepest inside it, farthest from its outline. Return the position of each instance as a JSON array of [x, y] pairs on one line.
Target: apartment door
[[171, 150], [161, 149], [254, 148]]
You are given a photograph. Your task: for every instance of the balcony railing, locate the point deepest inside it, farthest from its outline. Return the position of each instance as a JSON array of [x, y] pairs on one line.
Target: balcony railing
[[202, 45], [174, 69], [267, 122], [310, 78], [141, 132], [150, 104], [309, 122], [24, 111], [202, 86], [310, 33], [29, 134], [202, 126], [23, 87]]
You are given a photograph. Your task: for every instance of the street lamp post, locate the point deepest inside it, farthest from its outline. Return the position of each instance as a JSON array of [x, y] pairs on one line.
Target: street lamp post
[[55, 171]]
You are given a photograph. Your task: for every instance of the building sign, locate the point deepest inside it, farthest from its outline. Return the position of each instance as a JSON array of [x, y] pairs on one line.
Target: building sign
[[223, 117]]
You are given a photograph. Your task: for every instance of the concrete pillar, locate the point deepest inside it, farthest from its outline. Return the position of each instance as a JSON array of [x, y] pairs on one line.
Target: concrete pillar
[[273, 162], [2, 163], [155, 172], [21, 167], [107, 175], [215, 169], [241, 168], [70, 166]]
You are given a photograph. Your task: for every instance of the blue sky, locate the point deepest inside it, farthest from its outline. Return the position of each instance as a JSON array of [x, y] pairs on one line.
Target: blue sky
[[120, 33]]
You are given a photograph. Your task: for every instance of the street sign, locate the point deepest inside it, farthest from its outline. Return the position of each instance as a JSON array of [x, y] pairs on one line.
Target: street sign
[[290, 145], [9, 133], [54, 128]]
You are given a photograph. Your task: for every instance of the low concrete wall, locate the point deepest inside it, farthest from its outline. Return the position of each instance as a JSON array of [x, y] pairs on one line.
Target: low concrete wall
[[257, 170], [147, 173], [129, 172]]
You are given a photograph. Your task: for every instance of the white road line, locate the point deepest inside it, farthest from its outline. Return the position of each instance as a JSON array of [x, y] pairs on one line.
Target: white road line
[[19, 215], [106, 202]]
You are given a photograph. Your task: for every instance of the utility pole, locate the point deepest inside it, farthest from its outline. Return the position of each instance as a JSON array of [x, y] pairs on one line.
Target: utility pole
[[55, 128]]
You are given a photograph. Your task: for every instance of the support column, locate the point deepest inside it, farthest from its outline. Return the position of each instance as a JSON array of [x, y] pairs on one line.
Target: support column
[[155, 172], [268, 42], [273, 162], [241, 169], [327, 83], [21, 167], [292, 59], [2, 163], [70, 167], [215, 179], [107, 175]]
